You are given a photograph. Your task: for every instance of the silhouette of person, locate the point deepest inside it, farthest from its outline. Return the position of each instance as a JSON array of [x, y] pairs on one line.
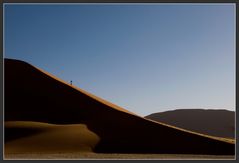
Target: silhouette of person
[[71, 82]]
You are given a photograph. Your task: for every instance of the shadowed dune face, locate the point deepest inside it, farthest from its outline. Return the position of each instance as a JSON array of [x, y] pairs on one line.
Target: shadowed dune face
[[31, 95], [220, 123]]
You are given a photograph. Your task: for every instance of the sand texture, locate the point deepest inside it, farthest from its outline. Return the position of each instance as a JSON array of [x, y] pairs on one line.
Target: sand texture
[[35, 137]]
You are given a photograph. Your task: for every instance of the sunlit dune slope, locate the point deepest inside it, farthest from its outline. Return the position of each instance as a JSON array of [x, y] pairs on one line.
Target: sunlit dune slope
[[220, 123], [43, 137], [33, 95]]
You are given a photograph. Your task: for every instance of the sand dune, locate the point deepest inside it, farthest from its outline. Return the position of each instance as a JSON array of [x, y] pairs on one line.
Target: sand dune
[[33, 95], [220, 123], [42, 137]]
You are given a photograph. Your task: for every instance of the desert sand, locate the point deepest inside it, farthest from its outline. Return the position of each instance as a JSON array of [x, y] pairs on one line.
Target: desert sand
[[113, 156], [43, 137], [44, 114]]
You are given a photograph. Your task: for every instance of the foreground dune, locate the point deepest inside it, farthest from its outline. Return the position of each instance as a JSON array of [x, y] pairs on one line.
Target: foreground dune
[[33, 95], [35, 137]]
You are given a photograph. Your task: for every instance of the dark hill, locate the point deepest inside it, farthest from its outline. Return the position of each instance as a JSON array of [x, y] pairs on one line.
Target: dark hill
[[219, 123]]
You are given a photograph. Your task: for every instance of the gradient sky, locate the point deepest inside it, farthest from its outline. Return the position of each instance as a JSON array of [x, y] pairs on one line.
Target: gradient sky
[[145, 58]]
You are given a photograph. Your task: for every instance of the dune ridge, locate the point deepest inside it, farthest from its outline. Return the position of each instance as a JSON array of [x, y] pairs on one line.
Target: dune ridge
[[87, 93], [44, 98]]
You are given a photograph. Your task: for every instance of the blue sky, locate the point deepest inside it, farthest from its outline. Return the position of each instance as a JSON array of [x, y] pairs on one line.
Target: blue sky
[[145, 58]]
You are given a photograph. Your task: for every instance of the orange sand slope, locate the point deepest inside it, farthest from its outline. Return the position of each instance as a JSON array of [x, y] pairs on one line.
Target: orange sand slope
[[33, 95]]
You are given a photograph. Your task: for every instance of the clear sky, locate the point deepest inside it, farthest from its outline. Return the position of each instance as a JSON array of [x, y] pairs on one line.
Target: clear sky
[[145, 58]]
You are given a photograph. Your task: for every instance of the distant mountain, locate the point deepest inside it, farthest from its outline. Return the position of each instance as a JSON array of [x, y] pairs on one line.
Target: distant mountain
[[220, 123]]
